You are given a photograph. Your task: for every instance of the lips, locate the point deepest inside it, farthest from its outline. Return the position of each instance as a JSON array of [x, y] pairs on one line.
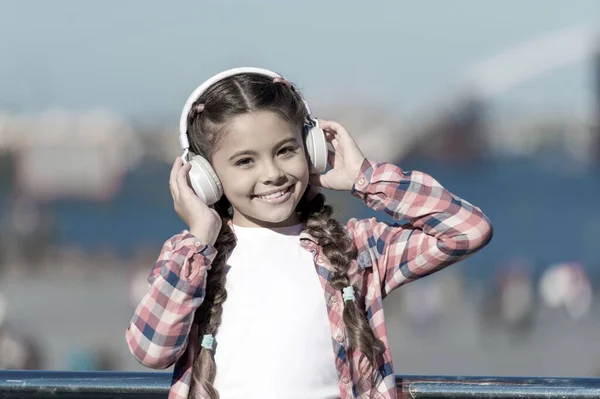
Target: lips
[[275, 196], [272, 196]]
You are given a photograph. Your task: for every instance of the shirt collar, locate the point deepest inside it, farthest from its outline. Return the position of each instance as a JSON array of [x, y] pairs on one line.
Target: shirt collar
[[304, 235]]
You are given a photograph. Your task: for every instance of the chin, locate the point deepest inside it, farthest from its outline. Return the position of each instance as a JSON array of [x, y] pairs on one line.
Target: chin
[[272, 216], [276, 216]]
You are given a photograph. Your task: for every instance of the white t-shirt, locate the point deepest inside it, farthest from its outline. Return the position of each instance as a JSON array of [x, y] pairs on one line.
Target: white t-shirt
[[274, 341]]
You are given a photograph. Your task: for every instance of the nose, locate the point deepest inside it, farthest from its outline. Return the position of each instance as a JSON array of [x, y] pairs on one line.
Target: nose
[[272, 173]]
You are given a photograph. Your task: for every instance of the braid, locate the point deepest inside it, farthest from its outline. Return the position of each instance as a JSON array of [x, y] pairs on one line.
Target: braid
[[209, 313], [340, 250]]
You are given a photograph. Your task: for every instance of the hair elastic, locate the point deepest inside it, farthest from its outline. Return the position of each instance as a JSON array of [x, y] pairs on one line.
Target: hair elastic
[[348, 293], [208, 341], [283, 81]]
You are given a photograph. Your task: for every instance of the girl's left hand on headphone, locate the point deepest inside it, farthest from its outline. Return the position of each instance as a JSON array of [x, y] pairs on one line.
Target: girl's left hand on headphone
[[345, 162]]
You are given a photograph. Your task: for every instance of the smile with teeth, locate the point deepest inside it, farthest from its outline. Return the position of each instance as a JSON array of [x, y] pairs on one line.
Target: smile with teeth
[[274, 195]]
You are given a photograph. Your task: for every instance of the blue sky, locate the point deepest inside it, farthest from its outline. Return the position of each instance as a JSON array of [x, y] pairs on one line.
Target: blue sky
[[142, 58]]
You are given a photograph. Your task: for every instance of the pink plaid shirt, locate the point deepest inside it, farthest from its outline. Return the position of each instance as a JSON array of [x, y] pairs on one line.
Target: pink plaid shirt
[[442, 229]]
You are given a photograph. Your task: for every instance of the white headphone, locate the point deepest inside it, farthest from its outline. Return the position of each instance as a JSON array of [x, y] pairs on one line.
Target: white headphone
[[202, 176]]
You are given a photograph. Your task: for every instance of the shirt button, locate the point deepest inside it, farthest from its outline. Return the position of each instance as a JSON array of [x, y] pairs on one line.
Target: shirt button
[[197, 243], [345, 380], [333, 299], [320, 260], [361, 181], [340, 338]]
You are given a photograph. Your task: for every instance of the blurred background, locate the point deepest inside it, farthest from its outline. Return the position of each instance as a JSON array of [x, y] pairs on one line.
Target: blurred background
[[499, 101]]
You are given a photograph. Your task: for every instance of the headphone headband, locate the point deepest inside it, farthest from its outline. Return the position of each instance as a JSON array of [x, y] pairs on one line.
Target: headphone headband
[[183, 140]]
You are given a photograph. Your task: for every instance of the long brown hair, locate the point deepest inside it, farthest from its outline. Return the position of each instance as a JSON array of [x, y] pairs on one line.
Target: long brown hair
[[230, 97]]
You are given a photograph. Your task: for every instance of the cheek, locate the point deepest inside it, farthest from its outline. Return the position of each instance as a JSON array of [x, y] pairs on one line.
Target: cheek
[[232, 182], [300, 168], [238, 186], [302, 174]]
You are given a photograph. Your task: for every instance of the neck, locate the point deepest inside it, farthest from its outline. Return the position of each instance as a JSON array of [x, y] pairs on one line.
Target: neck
[[246, 221]]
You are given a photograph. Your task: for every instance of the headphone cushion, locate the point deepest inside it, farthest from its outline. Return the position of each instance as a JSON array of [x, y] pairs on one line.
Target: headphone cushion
[[204, 180], [316, 146]]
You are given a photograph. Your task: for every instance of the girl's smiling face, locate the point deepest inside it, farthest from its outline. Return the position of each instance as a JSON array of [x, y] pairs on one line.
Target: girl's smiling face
[[262, 165]]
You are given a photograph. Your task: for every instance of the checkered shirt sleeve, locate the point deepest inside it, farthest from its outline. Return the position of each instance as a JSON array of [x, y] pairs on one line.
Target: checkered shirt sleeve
[[441, 228], [158, 332]]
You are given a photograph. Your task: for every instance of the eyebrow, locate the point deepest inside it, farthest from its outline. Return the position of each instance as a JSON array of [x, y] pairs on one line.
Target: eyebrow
[[250, 152]]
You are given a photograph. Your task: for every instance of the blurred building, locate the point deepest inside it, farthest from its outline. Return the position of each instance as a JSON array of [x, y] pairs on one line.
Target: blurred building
[[59, 154]]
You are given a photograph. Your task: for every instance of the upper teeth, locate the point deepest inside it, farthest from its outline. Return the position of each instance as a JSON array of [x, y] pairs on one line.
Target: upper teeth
[[272, 195]]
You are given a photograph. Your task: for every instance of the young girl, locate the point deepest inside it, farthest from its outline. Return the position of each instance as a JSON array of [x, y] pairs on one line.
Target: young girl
[[267, 295]]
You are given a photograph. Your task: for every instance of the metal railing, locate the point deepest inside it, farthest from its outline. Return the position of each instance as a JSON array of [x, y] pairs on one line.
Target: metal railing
[[128, 385]]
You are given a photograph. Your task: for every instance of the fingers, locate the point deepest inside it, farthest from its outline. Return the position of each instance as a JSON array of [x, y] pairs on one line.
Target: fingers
[[333, 148], [334, 128], [336, 144], [173, 177], [182, 185], [331, 158], [333, 140]]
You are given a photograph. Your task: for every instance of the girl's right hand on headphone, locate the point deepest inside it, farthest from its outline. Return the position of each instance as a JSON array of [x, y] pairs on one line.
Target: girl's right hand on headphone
[[204, 222]]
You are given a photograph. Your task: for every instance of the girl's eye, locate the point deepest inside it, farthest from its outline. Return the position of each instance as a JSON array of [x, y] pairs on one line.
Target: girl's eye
[[287, 150], [244, 162]]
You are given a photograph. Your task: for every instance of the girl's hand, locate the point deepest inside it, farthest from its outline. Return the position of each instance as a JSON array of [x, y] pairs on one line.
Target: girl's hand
[[203, 221], [345, 162]]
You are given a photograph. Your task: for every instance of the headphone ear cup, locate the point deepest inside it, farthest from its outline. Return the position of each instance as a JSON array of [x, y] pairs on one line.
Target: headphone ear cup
[[316, 146], [204, 180]]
